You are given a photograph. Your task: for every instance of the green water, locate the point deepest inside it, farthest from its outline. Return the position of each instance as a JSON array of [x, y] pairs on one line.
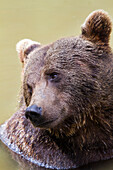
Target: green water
[[44, 21]]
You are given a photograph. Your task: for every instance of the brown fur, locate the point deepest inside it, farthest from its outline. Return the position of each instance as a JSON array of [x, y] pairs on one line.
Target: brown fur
[[79, 102]]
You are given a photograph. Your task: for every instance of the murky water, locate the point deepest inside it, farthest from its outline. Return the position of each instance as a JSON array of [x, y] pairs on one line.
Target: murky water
[[44, 21]]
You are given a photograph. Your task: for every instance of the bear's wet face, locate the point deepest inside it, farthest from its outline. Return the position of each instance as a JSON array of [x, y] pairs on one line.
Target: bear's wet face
[[41, 92], [58, 85]]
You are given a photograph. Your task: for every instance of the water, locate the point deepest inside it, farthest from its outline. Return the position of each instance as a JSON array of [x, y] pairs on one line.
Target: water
[[44, 21]]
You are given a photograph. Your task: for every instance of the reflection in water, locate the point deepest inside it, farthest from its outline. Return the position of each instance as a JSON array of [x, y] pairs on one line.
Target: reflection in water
[[26, 165], [43, 21]]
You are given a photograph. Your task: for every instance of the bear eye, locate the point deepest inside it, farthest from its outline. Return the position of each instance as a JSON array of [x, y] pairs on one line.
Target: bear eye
[[54, 77], [28, 94], [29, 89]]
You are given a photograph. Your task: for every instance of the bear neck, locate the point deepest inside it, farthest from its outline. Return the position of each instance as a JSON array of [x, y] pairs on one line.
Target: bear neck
[[94, 137], [91, 142]]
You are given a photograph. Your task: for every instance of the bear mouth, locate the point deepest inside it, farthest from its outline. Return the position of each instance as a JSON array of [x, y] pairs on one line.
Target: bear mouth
[[42, 123]]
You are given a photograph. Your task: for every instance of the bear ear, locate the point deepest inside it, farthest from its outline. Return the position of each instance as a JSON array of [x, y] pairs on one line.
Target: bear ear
[[24, 47], [97, 27]]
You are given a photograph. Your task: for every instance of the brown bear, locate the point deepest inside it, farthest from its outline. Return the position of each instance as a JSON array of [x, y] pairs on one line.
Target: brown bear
[[65, 119]]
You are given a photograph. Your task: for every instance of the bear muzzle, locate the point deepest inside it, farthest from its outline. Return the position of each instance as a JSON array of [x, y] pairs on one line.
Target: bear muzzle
[[34, 114]]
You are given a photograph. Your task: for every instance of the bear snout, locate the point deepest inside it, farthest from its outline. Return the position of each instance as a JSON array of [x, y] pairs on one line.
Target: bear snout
[[33, 112]]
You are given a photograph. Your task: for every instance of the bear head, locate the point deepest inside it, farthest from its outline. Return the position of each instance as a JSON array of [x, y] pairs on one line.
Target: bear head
[[62, 82]]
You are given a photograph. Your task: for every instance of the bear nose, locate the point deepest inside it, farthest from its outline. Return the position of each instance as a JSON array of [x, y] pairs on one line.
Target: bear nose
[[33, 112]]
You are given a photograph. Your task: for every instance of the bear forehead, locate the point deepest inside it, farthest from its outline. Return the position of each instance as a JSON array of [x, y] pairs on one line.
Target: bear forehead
[[67, 50], [70, 46], [63, 52], [67, 55]]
